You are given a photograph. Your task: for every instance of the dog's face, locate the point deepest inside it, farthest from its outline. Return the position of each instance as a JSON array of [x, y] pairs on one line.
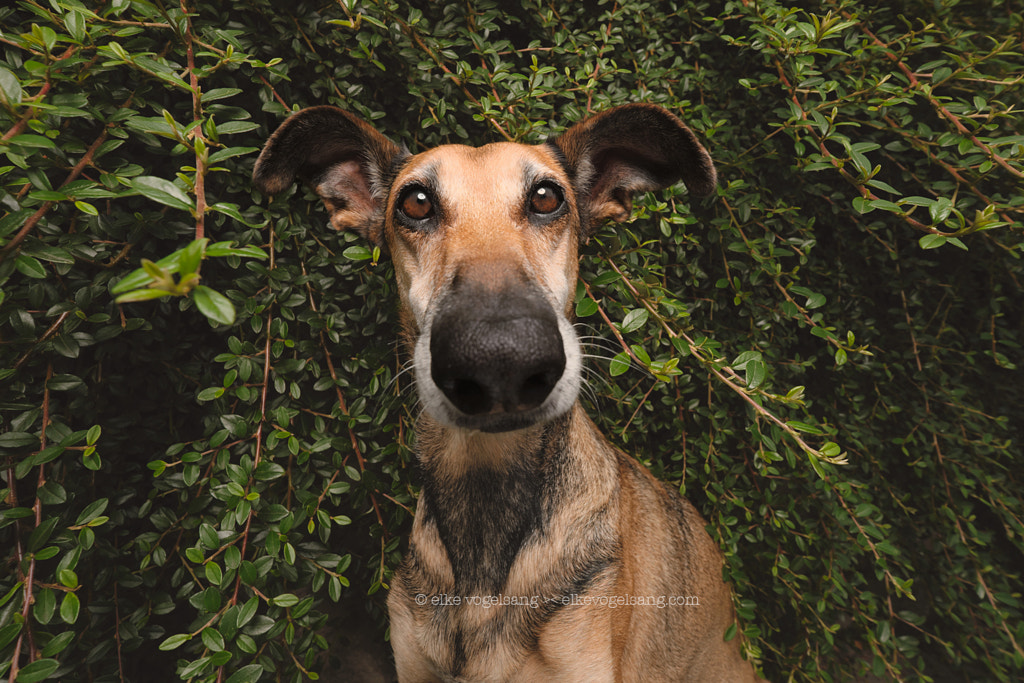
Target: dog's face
[[485, 242]]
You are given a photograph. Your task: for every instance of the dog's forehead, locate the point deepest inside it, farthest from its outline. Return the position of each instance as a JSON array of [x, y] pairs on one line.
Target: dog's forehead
[[494, 164]]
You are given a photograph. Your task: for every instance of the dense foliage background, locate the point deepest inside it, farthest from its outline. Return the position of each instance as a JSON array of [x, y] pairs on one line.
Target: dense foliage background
[[826, 356]]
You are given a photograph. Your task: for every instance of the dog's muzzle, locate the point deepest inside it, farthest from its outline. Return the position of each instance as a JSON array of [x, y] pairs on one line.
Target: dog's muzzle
[[497, 354]]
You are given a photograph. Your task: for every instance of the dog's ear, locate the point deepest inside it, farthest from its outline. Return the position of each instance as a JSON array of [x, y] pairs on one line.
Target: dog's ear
[[627, 149], [343, 158]]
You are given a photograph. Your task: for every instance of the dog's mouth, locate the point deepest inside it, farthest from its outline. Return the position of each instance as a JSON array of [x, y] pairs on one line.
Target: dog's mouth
[[500, 367]]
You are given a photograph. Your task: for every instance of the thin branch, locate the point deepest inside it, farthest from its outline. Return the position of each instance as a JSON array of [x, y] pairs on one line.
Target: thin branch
[[408, 30], [37, 508], [697, 352], [199, 142], [30, 113], [939, 107], [52, 330], [86, 160]]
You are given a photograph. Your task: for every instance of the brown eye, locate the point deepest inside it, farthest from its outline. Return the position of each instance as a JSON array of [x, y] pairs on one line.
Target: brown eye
[[545, 198], [416, 204]]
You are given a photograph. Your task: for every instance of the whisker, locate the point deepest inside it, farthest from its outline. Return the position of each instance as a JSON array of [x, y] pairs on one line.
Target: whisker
[[406, 367]]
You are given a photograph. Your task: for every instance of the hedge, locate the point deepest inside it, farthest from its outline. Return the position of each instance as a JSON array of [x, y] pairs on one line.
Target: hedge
[[205, 440]]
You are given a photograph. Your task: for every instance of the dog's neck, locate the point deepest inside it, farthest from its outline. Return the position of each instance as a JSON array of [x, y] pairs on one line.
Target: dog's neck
[[486, 494]]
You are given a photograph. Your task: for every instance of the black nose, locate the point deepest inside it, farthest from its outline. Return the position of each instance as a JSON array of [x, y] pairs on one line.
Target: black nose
[[496, 353]]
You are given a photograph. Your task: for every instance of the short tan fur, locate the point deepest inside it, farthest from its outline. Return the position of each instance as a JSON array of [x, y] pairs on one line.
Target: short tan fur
[[539, 551]]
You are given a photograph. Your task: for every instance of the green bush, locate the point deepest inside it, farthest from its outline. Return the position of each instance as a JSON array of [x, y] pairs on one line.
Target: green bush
[[826, 356]]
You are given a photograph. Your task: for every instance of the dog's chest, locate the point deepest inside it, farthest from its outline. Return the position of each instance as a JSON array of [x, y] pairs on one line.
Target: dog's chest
[[507, 642]]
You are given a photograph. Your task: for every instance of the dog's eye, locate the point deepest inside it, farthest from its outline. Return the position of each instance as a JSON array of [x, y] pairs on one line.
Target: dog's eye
[[416, 204], [545, 198]]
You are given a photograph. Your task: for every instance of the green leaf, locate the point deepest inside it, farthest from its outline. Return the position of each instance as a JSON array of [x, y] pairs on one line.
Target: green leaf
[[357, 253], [285, 600], [192, 256], [38, 670], [232, 210], [940, 209], [874, 182], [210, 393], [215, 306], [52, 493], [247, 674], [634, 320], [586, 307], [9, 632], [91, 512], [830, 449], [69, 608], [87, 208], [219, 94], [175, 641], [756, 371], [64, 382], [248, 573], [814, 299], [246, 643], [10, 88], [57, 644], [619, 364], [30, 266], [148, 272], [75, 23], [606, 278], [142, 295], [46, 603], [212, 638], [745, 357], [233, 127], [226, 249], [18, 440], [208, 536], [68, 578], [248, 610], [863, 205], [229, 152], [163, 191], [13, 220], [804, 427], [91, 461], [33, 142], [932, 241], [213, 573]]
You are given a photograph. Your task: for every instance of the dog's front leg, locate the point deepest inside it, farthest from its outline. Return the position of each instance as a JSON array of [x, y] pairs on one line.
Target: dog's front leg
[[411, 662]]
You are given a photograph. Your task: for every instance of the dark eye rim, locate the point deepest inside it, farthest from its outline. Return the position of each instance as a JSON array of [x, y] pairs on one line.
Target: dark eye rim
[[404, 194], [559, 195]]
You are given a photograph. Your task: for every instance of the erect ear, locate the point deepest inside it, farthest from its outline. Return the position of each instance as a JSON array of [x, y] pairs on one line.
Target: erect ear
[[346, 161], [627, 149]]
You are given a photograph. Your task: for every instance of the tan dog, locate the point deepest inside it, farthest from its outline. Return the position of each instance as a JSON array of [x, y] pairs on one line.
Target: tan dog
[[539, 552]]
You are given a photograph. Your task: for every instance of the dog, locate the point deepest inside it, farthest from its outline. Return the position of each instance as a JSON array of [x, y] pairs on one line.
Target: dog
[[539, 552]]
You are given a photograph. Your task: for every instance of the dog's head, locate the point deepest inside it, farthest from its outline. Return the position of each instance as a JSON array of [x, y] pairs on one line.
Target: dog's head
[[485, 241]]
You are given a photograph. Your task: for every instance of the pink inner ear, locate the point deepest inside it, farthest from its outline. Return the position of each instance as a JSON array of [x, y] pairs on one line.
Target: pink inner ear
[[612, 193], [343, 188]]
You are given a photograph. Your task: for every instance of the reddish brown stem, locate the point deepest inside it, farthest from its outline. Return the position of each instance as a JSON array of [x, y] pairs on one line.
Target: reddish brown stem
[[18, 127], [939, 107], [37, 508], [197, 115], [86, 159]]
